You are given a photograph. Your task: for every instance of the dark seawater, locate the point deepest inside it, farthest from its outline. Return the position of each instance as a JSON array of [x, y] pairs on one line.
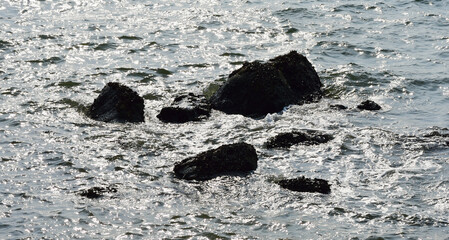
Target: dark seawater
[[389, 169]]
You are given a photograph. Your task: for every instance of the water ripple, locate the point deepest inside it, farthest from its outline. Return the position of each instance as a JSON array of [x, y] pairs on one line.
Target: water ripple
[[388, 169]]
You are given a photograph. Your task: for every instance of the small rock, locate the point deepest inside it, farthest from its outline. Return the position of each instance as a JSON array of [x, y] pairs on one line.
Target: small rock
[[286, 140], [117, 103], [369, 105], [338, 107], [239, 158], [186, 108], [302, 184], [96, 192]]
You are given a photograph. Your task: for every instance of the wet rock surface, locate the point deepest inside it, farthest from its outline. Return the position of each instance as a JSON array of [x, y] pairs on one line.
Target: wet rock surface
[[96, 192], [309, 137], [257, 89], [238, 158], [117, 103], [303, 184], [186, 108], [369, 105]]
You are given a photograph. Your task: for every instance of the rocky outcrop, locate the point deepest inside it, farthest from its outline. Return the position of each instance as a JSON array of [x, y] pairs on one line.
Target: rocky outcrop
[[302, 184], [186, 108], [309, 137], [369, 105], [97, 192], [257, 89], [238, 158], [117, 103]]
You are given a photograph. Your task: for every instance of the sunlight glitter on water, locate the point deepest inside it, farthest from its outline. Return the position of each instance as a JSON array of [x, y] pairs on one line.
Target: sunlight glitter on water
[[388, 169]]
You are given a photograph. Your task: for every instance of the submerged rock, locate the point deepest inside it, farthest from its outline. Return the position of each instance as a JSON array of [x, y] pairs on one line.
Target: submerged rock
[[238, 158], [369, 105], [186, 108], [436, 138], [442, 132], [96, 192], [257, 89], [286, 140], [338, 107], [117, 103], [302, 184]]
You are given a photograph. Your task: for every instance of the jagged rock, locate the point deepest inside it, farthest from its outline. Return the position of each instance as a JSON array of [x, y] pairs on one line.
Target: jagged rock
[[302, 184], [238, 158], [186, 108], [257, 89], [369, 105], [117, 103], [286, 140], [96, 192]]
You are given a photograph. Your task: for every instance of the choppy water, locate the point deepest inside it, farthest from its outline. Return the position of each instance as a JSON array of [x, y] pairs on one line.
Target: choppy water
[[389, 170]]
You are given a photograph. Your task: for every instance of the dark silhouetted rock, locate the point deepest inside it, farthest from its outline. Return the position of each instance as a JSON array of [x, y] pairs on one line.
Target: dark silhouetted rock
[[286, 140], [369, 105], [300, 74], [338, 107], [117, 103], [238, 158], [302, 184], [97, 192], [186, 108], [257, 89]]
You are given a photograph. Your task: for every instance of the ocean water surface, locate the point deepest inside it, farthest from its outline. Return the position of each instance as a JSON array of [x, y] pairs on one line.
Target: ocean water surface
[[389, 169]]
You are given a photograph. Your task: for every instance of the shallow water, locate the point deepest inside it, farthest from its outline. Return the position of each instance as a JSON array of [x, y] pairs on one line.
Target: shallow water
[[389, 170]]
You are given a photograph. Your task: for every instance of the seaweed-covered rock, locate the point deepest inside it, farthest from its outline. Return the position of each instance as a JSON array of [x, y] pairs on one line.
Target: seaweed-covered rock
[[117, 103], [238, 158], [303, 184], [186, 108], [286, 140], [257, 89], [369, 105], [97, 192]]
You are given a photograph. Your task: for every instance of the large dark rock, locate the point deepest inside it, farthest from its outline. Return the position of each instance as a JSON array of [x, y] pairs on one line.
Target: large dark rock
[[369, 105], [286, 140], [302, 184], [185, 108], [238, 158], [257, 89], [117, 103]]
